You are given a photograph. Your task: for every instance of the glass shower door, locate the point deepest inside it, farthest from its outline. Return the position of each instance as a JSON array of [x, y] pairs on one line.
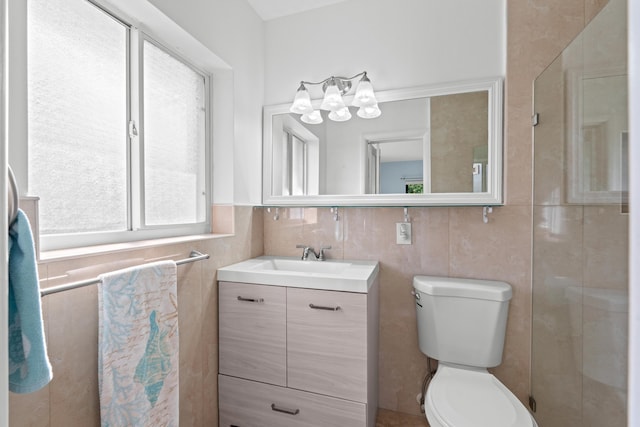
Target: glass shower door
[[580, 259]]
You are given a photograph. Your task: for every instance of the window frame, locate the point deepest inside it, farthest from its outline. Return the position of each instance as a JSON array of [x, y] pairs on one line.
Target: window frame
[[139, 142], [136, 228]]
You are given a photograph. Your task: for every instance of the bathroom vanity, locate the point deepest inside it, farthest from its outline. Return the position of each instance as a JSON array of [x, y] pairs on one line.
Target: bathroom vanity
[[298, 343]]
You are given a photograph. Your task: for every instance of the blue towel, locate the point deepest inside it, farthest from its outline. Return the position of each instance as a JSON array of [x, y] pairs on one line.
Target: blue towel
[[29, 367]]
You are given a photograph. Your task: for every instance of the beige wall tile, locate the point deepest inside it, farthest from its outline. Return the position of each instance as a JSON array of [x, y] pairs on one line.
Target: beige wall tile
[[606, 256], [190, 320], [592, 7], [550, 137], [222, 219], [499, 250], [603, 405], [281, 235], [321, 228], [32, 410], [29, 410], [73, 349], [536, 34]]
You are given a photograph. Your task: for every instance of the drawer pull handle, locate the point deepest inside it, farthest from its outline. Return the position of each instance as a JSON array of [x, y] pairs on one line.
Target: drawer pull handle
[[284, 410], [258, 300], [322, 307]]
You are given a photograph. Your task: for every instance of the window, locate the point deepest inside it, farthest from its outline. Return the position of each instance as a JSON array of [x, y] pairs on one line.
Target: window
[[174, 139], [117, 125], [296, 160]]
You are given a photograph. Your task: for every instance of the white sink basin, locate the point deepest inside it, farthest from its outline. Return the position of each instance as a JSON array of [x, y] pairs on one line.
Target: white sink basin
[[351, 276], [299, 266]]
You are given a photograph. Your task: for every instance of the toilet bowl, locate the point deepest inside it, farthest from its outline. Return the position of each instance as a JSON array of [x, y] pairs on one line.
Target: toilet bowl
[[462, 324], [463, 397]]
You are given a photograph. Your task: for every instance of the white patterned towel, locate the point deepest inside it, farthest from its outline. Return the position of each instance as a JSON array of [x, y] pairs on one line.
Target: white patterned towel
[[138, 346]]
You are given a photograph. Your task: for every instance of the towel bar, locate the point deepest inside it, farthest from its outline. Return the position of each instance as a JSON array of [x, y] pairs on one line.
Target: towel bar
[[193, 257]]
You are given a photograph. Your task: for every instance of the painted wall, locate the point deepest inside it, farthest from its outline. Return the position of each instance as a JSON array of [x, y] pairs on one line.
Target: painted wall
[[400, 44], [234, 32]]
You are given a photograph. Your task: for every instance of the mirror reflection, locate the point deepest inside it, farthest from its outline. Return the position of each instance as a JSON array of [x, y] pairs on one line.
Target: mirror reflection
[[598, 167], [604, 132], [425, 144]]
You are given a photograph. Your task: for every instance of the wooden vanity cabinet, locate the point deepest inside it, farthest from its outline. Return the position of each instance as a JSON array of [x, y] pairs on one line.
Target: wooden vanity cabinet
[[297, 357], [252, 332]]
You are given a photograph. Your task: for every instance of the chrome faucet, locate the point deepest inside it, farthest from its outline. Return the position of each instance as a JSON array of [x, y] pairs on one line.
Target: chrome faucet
[[306, 249]]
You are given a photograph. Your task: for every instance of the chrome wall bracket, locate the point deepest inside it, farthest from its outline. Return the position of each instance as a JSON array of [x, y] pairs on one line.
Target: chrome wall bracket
[[486, 210]]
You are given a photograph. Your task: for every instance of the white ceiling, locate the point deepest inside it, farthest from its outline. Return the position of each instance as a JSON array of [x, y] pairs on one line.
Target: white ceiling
[[271, 9]]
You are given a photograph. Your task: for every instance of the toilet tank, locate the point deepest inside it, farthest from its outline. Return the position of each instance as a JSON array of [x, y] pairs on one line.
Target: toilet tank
[[462, 321]]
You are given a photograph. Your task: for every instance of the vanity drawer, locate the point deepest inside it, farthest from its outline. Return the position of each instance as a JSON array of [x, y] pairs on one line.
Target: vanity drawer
[[246, 403], [252, 332], [327, 342]]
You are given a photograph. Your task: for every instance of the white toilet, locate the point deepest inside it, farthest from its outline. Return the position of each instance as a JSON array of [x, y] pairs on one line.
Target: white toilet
[[462, 323]]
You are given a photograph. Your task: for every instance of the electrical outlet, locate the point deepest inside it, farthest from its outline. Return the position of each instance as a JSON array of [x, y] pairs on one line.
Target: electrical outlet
[[403, 233]]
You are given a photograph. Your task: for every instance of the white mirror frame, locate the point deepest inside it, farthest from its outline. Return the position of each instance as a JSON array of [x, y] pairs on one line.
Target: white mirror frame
[[492, 197]]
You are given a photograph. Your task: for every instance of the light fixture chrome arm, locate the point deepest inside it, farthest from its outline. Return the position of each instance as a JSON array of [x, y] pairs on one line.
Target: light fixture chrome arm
[[322, 82]]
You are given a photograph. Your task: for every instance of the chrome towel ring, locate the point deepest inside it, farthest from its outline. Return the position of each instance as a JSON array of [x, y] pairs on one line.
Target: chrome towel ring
[[12, 194]]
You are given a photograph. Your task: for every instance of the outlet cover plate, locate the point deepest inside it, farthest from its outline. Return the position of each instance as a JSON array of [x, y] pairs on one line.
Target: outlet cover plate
[[403, 233]]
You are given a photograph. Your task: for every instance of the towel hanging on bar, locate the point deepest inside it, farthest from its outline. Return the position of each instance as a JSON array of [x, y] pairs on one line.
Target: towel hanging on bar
[[138, 346], [29, 366]]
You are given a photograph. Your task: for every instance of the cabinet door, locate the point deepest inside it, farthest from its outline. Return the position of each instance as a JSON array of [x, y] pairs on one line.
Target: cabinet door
[[252, 332], [251, 404], [327, 342]]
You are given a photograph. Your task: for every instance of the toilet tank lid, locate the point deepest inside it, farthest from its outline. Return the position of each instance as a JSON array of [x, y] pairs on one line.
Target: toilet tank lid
[[465, 288]]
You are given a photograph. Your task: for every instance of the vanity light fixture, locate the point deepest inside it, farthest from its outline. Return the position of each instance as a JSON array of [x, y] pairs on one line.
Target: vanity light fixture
[[334, 88]]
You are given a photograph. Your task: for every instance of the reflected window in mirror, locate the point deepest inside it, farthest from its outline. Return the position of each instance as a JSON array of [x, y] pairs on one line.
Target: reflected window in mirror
[[296, 158]]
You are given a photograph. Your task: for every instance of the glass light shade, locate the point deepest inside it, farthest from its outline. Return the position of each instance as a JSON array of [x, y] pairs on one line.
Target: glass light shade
[[312, 118], [341, 115], [301, 102], [332, 99], [369, 112], [364, 96]]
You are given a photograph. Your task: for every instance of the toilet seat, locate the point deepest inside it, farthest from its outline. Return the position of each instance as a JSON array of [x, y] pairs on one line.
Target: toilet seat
[[467, 397]]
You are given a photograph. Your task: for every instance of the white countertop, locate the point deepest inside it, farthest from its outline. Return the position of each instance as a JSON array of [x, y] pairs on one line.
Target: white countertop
[[346, 276]]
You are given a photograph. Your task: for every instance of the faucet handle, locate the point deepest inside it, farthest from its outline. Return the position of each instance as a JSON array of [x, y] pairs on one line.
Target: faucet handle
[[305, 251], [321, 256]]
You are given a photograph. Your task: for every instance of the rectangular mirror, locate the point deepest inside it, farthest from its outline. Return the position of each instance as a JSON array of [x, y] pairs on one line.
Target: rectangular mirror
[[432, 146]]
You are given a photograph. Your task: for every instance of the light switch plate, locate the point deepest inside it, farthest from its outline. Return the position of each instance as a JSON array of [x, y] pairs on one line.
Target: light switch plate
[[403, 233]]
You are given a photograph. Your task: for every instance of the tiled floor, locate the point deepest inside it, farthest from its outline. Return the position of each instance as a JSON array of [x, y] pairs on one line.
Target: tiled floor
[[388, 418]]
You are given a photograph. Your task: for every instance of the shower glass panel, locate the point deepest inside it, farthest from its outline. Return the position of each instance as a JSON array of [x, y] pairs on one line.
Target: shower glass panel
[[580, 259]]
